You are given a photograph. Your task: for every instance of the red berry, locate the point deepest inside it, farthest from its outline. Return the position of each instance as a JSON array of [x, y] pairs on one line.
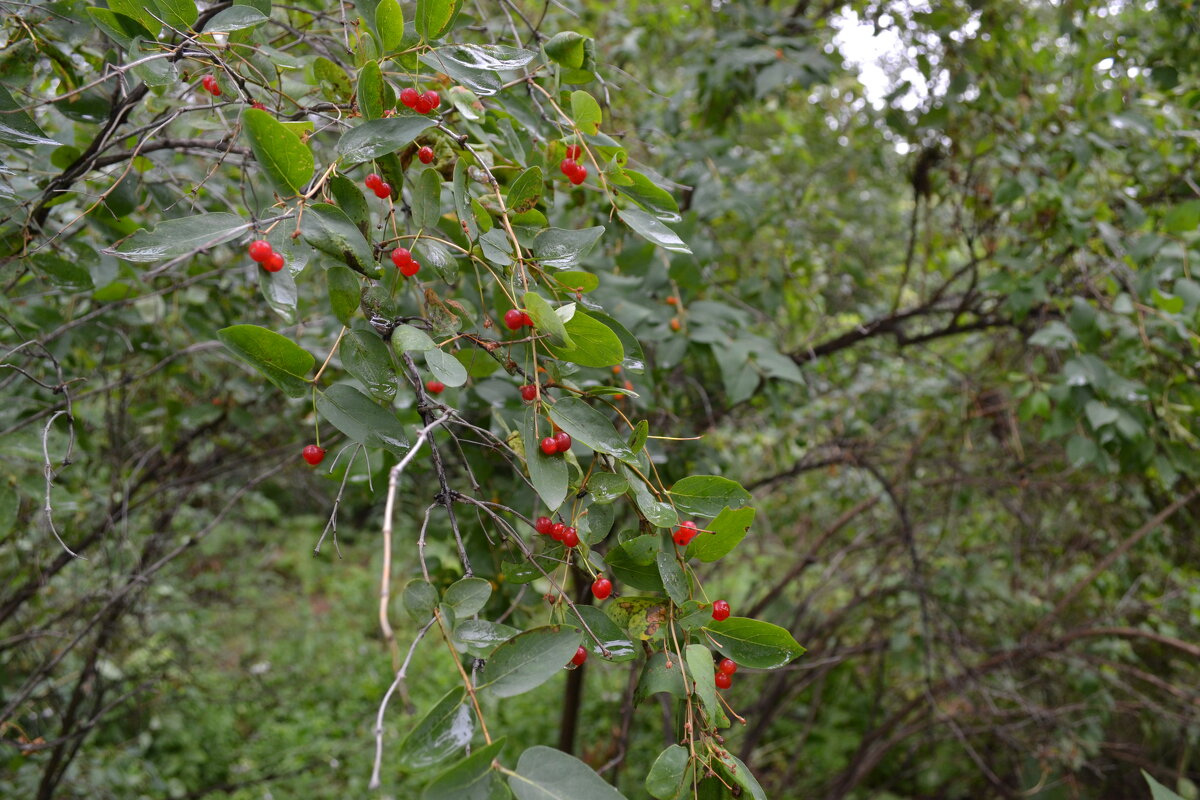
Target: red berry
[[557, 531], [543, 525], [409, 97], [574, 151], [410, 269], [727, 666], [383, 191], [549, 446], [526, 319], [313, 454], [210, 83], [373, 181], [435, 387], [601, 588], [401, 256], [724, 680], [684, 533], [423, 105], [720, 610], [567, 166], [528, 393], [260, 250], [258, 105], [432, 97], [274, 262], [562, 440], [570, 537], [578, 175], [579, 657], [513, 319], [425, 154]]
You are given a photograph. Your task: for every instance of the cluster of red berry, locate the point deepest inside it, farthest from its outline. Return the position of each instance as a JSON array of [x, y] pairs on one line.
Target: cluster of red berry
[[558, 443], [725, 670], [418, 102], [265, 256], [557, 531], [313, 454], [685, 533], [402, 258], [515, 320], [425, 155], [210, 85], [570, 166], [435, 387], [379, 186]]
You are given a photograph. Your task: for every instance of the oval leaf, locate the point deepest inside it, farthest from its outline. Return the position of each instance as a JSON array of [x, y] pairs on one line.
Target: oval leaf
[[378, 137], [528, 660], [593, 344], [753, 643], [723, 534], [589, 426], [434, 17], [360, 418], [278, 358], [652, 230], [468, 779], [544, 773], [706, 495], [525, 191], [287, 161], [443, 731], [468, 596], [548, 474], [445, 367], [177, 237], [389, 23]]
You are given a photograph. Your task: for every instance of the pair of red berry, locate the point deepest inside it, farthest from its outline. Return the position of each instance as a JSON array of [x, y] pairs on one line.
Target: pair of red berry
[[557, 531], [529, 392], [265, 256], [558, 443], [435, 387], [576, 173], [418, 102], [515, 320], [725, 670], [313, 454], [425, 155], [685, 533], [379, 186], [402, 258], [210, 85]]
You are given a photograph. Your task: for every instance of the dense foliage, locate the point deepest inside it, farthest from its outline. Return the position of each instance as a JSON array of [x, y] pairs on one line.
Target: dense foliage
[[921, 368]]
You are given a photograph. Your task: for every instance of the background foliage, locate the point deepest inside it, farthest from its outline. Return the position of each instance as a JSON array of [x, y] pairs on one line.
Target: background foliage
[[947, 337]]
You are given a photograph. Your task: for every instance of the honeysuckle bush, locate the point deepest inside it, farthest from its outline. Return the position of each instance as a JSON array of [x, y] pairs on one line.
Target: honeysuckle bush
[[499, 382]]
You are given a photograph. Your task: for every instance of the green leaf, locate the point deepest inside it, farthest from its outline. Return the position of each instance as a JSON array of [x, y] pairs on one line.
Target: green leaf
[[327, 228], [586, 112], [650, 196], [566, 48], [739, 774], [652, 230], [637, 439], [706, 495], [67, 274], [594, 344], [545, 320], [544, 773], [366, 357], [1158, 791], [657, 512], [629, 570], [700, 670], [278, 358], [528, 660], [10, 504], [18, 129], [287, 161], [445, 367], [589, 426], [409, 339], [349, 198], [657, 677], [674, 581], [479, 637], [548, 474], [177, 237], [578, 281], [470, 778], [332, 79], [235, 18], [120, 28], [665, 778], [139, 11], [379, 137], [1183, 218], [468, 596], [462, 201], [370, 86], [343, 288], [357, 416], [389, 24], [434, 17], [606, 487], [427, 200], [279, 290], [561, 247], [643, 617], [179, 14], [727, 530], [443, 731], [753, 643], [525, 191], [419, 600], [612, 638]]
